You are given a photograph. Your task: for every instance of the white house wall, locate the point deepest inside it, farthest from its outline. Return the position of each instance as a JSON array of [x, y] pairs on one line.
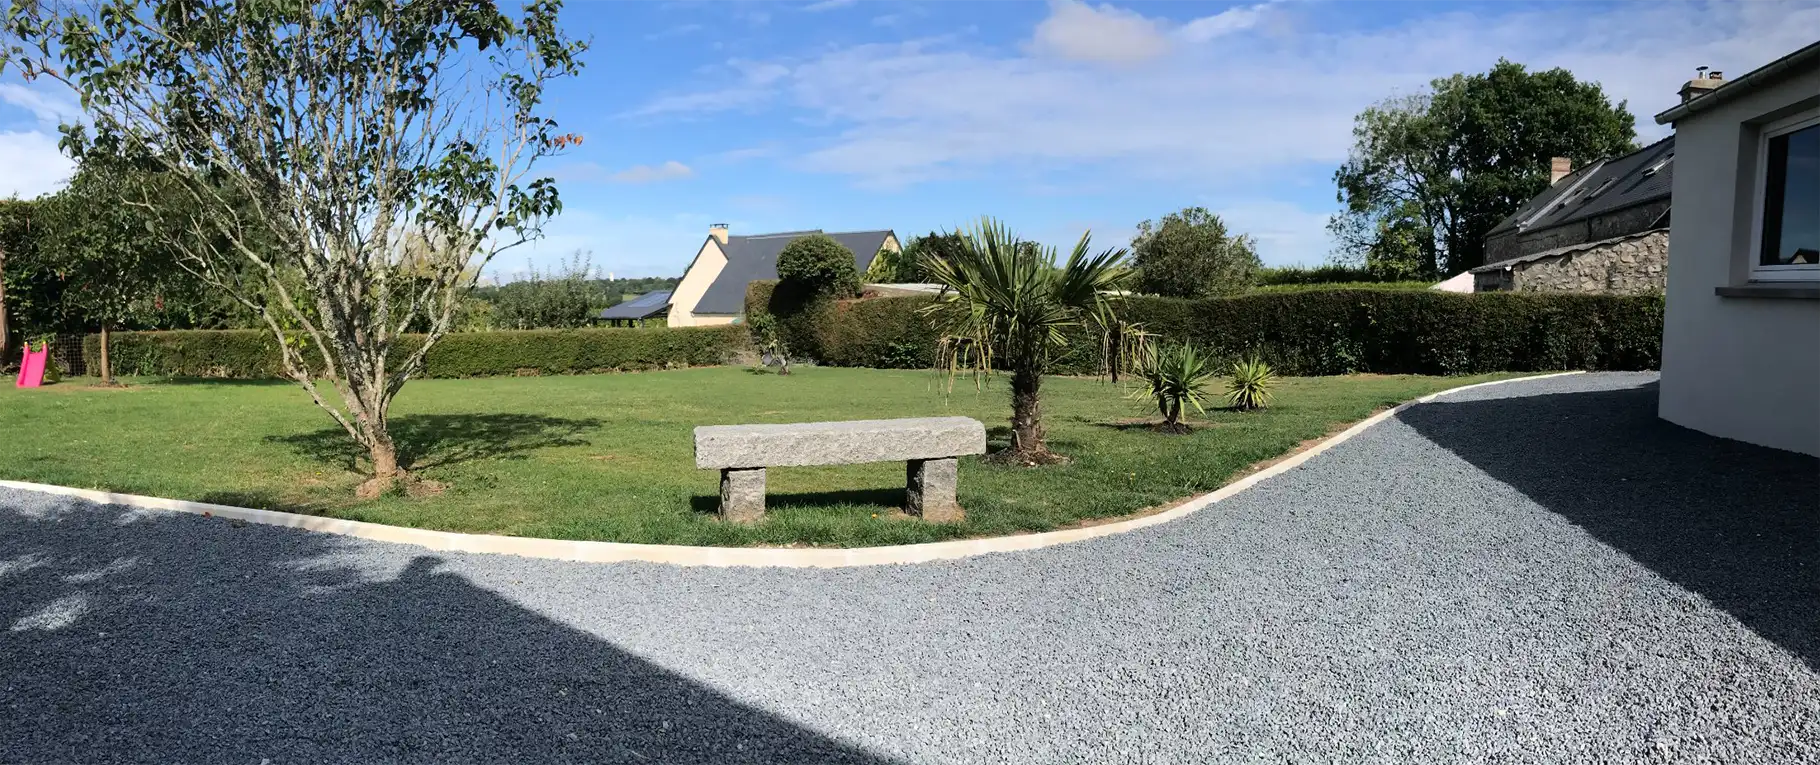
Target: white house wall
[[1746, 368]]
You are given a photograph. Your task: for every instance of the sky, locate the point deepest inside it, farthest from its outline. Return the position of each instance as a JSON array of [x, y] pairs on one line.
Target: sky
[[1059, 117]]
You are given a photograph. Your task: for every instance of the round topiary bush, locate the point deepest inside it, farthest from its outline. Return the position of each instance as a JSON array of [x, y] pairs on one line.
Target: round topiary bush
[[820, 265]]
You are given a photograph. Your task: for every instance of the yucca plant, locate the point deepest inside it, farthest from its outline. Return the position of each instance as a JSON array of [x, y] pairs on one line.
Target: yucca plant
[[1250, 385], [1174, 376], [1007, 304]]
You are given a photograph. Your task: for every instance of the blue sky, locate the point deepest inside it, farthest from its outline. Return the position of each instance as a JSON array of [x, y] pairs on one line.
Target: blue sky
[[1057, 116]]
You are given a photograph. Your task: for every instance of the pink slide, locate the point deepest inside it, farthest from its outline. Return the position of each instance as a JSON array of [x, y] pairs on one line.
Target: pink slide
[[31, 368]]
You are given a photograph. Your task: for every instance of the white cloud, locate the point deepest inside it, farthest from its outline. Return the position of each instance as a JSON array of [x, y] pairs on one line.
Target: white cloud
[[828, 5], [33, 164], [47, 107], [1078, 31], [1223, 23], [668, 171]]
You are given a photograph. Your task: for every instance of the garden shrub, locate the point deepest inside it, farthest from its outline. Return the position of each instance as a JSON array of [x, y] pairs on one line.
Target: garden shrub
[[253, 354], [818, 264]]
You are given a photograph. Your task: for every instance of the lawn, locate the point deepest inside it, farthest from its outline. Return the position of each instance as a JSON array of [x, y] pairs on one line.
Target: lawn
[[609, 457]]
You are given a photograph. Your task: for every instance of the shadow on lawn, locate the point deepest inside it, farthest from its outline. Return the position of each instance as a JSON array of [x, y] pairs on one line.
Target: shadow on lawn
[[218, 382], [434, 440], [1735, 523], [881, 498], [136, 636]]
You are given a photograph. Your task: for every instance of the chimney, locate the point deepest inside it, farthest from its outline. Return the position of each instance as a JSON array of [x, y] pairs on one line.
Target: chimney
[[719, 232], [1558, 168], [1704, 82]]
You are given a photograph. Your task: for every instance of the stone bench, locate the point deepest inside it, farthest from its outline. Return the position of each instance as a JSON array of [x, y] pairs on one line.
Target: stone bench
[[927, 445]]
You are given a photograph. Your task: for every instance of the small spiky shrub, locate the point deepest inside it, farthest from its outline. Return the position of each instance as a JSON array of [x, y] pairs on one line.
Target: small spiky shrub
[[1250, 385], [1174, 376]]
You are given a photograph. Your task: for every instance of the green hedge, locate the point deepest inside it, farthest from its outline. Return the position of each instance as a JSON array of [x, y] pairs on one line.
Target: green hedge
[[1344, 330], [1334, 331], [253, 354]]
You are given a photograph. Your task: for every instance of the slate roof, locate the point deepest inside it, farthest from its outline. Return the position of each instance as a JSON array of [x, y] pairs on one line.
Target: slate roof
[[642, 307], [1599, 188], [750, 258]]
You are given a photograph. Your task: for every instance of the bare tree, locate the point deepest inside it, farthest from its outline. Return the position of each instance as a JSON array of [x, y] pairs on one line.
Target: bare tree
[[322, 143]]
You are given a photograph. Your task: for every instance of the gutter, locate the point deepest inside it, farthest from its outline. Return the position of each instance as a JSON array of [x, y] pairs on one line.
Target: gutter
[[1754, 79]]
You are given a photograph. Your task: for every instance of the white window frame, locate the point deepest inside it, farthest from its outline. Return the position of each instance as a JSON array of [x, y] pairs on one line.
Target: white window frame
[[1799, 272]]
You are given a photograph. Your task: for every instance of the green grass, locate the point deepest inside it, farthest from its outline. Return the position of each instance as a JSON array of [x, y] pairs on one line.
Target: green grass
[[609, 457]]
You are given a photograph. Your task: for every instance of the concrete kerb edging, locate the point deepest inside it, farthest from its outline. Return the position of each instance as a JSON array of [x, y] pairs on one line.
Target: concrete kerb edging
[[619, 552]]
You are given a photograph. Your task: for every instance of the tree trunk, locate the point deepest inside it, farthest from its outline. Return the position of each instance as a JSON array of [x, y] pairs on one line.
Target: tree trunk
[[107, 369], [1027, 417], [384, 455]]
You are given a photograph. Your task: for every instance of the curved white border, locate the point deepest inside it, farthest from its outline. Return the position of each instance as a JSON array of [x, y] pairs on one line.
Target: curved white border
[[616, 552]]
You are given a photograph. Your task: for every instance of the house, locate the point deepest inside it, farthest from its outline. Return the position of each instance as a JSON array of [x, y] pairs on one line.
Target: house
[[713, 290], [1602, 228], [638, 310], [1741, 336]]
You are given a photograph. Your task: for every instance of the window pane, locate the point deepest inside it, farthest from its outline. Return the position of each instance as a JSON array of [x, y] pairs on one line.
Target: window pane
[[1791, 201]]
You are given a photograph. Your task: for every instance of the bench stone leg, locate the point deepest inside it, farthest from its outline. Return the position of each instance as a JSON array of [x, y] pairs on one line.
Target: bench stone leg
[[929, 489], [742, 495]]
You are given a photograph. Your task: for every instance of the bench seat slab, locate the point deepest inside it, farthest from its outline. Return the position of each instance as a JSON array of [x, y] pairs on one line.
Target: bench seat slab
[[837, 443]]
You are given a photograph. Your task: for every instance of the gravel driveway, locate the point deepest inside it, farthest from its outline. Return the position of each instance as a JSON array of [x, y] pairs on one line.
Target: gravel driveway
[[1536, 572]]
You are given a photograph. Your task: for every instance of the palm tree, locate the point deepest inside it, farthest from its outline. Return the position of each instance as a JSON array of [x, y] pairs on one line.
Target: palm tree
[[1008, 305]]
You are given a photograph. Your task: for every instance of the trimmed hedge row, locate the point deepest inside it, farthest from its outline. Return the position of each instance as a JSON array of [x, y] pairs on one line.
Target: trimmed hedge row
[[253, 354], [1335, 331], [1344, 330]]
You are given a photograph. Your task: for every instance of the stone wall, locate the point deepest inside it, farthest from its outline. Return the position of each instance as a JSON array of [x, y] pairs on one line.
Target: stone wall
[[1629, 220], [1627, 266]]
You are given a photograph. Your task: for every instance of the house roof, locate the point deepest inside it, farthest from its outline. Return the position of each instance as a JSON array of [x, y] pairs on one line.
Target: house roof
[[642, 307], [750, 258], [1559, 251], [1751, 80], [1642, 176]]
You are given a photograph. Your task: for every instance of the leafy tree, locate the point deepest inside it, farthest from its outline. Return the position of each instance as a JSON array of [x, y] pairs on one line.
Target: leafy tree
[[1385, 247], [341, 130], [818, 264], [1190, 254], [15, 237], [96, 239], [1430, 173], [1009, 305], [559, 300], [906, 267]]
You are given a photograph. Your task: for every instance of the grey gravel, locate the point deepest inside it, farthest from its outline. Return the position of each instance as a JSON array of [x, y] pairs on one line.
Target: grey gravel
[[1537, 572]]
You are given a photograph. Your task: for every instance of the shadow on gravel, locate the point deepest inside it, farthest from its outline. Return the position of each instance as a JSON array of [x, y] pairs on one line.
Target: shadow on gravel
[[135, 637], [1736, 523], [433, 440]]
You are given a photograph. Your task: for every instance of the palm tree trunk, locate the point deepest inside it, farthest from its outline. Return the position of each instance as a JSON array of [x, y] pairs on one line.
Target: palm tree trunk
[[1027, 415]]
